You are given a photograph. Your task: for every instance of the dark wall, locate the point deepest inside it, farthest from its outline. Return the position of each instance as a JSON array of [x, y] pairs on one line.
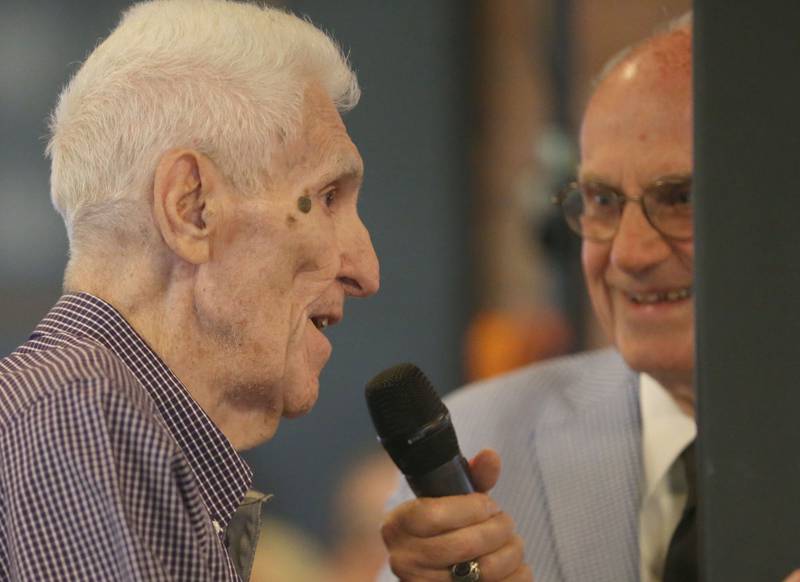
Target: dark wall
[[411, 129], [747, 90]]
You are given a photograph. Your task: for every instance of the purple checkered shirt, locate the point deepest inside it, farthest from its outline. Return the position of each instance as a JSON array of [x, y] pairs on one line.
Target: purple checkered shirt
[[108, 469]]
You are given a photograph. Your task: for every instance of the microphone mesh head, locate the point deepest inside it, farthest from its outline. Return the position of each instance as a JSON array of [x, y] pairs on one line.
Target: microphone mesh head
[[411, 420], [401, 400]]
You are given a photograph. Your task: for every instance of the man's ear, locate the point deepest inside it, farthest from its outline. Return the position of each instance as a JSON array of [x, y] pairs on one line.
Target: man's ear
[[185, 195]]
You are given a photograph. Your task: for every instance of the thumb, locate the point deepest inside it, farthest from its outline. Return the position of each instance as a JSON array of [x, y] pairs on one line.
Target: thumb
[[485, 470]]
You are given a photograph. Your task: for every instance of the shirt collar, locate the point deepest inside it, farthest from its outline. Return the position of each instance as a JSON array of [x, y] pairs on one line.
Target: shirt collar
[[223, 476], [666, 430]]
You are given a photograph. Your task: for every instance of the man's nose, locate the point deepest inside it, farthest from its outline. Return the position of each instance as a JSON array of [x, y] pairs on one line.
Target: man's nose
[[637, 246], [360, 273]]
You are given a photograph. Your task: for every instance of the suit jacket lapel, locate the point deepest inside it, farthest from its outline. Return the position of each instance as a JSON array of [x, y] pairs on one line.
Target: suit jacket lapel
[[589, 451]]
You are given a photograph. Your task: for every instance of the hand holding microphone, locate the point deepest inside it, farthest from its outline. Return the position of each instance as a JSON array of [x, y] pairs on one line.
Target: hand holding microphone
[[454, 531]]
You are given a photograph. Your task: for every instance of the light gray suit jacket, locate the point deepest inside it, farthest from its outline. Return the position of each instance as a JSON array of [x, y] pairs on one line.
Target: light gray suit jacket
[[569, 435]]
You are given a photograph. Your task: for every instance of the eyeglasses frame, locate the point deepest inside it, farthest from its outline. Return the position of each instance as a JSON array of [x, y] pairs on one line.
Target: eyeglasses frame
[[576, 185]]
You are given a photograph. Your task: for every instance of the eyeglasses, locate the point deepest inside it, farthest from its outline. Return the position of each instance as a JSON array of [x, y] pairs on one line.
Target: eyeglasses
[[594, 210]]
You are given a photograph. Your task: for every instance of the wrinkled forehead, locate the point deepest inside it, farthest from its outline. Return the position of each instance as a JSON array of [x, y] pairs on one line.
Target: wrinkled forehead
[[325, 133], [321, 148]]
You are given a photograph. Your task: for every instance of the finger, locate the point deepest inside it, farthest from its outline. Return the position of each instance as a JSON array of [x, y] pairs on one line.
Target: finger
[[429, 516], [461, 545], [793, 577], [504, 562], [485, 470]]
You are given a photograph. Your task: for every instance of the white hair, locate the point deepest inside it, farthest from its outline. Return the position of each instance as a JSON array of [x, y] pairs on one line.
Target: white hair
[[224, 78]]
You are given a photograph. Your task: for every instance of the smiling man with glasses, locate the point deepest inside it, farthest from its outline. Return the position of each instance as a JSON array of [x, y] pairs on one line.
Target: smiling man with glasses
[[597, 448]]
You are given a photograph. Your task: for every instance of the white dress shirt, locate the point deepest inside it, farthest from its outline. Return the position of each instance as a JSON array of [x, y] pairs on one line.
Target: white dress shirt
[[666, 431]]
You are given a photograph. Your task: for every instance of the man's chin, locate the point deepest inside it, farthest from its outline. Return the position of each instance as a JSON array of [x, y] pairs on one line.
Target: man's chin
[[300, 401], [660, 360]]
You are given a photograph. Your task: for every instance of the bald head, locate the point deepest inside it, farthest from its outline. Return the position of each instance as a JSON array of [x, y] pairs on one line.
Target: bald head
[[666, 57]]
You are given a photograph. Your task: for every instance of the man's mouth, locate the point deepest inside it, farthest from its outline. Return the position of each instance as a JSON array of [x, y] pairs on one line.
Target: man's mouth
[[324, 317], [652, 297]]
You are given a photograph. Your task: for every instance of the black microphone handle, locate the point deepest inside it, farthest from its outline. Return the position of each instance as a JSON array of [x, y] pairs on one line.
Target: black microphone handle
[[452, 478]]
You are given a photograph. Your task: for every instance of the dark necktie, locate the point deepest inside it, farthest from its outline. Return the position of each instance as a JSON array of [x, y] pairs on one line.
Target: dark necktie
[[681, 562]]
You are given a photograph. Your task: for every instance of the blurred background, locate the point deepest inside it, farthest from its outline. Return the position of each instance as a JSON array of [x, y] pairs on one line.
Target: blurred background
[[467, 127]]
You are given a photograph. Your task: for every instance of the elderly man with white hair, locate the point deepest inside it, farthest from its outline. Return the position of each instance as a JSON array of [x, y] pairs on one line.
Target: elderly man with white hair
[[209, 190]]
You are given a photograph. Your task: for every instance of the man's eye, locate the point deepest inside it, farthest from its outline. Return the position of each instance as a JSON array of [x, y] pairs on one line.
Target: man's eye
[[330, 197], [599, 198], [677, 195]]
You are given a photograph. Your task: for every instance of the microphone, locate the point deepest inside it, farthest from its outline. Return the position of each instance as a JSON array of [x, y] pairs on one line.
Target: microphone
[[414, 427]]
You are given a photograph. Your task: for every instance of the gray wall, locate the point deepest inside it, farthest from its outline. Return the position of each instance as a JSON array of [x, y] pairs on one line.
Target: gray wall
[[40, 42], [411, 127], [747, 90]]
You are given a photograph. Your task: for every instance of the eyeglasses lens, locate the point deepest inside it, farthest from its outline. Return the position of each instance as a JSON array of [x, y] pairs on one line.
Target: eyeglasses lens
[[669, 208]]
